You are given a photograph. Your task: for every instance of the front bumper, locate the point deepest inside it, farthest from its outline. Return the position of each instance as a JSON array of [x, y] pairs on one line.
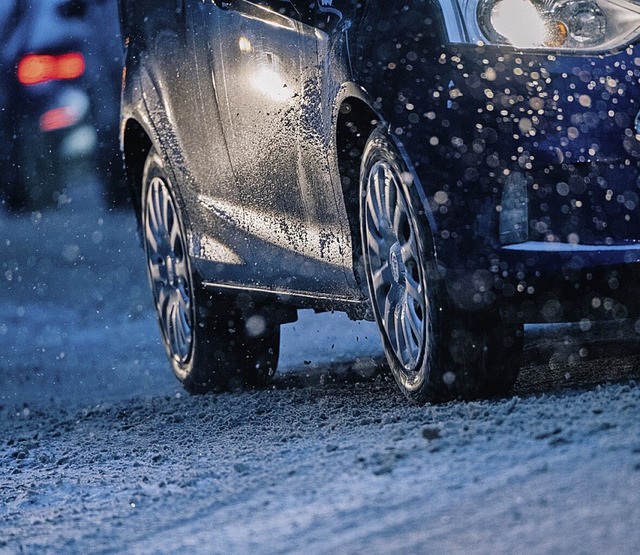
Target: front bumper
[[531, 164]]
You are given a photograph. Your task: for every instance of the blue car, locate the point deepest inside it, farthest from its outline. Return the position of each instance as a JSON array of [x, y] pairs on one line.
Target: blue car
[[450, 169]]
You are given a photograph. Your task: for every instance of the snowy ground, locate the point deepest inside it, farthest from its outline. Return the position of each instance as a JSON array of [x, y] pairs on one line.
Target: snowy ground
[[101, 451]]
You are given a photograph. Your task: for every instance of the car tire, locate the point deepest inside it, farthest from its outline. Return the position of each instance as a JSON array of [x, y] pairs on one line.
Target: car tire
[[435, 352], [213, 341], [502, 349], [110, 164], [32, 179]]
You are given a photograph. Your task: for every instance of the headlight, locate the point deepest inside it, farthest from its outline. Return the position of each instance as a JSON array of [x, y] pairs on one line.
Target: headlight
[[553, 24]]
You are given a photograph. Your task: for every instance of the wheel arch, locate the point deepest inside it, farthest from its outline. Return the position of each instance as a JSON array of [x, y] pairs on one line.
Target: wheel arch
[[356, 118], [136, 145], [355, 122]]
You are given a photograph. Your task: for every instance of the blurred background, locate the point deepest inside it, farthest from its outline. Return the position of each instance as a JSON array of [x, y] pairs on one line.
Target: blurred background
[[60, 74]]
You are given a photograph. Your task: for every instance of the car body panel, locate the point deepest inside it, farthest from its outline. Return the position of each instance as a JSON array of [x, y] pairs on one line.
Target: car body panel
[[266, 65], [291, 228], [473, 122]]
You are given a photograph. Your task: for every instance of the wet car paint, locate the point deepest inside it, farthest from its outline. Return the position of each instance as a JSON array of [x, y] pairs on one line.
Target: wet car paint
[[563, 123], [469, 118]]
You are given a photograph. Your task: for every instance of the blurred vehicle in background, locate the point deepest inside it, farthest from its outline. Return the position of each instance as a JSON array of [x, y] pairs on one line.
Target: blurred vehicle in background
[[61, 65]]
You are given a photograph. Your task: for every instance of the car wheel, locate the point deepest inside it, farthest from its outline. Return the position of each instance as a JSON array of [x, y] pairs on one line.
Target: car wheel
[[12, 192], [435, 352], [110, 166], [213, 341], [32, 179], [501, 357]]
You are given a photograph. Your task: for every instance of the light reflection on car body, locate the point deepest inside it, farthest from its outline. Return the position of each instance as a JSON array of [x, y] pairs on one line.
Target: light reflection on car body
[[513, 170]]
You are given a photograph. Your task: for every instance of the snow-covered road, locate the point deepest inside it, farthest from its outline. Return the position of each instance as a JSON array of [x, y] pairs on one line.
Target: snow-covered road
[[101, 451]]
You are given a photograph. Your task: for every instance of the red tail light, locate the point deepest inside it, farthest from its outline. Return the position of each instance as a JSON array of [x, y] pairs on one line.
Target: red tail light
[[58, 118], [38, 68]]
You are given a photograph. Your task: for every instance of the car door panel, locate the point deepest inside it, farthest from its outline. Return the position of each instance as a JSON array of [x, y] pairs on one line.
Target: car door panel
[[182, 102], [265, 66]]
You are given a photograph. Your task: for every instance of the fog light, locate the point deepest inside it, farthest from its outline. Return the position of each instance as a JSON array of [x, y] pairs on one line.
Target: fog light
[[514, 210]]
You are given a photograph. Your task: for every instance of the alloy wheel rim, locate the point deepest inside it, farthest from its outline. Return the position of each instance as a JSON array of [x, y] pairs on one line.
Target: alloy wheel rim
[[168, 269], [395, 270]]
